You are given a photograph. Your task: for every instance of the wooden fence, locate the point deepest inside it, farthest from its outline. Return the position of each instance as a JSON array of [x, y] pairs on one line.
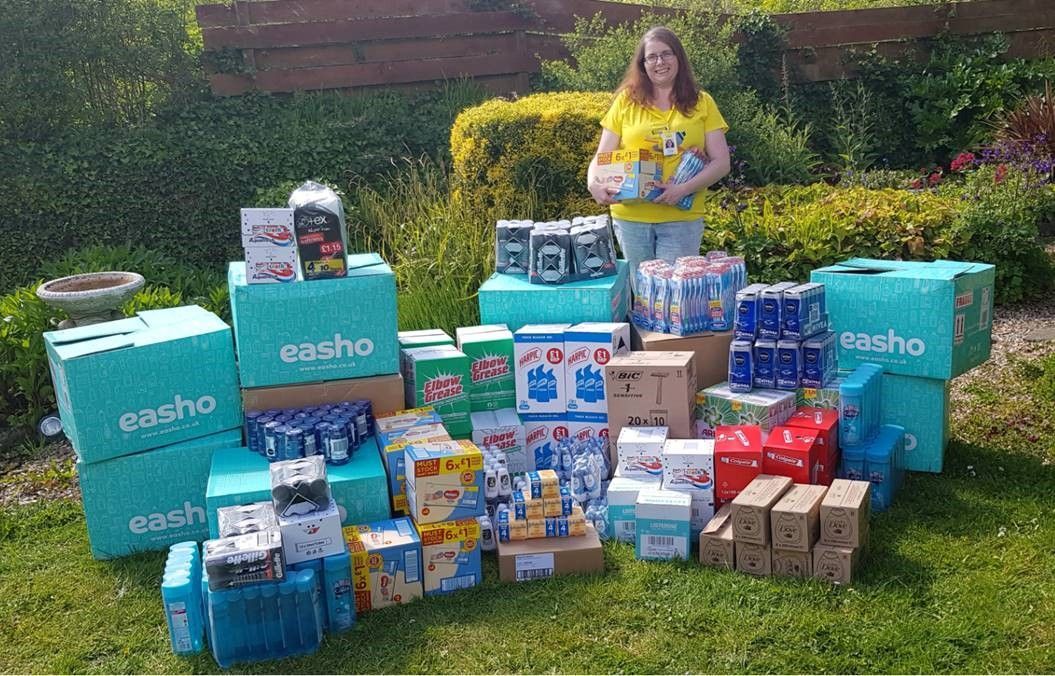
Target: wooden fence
[[293, 45]]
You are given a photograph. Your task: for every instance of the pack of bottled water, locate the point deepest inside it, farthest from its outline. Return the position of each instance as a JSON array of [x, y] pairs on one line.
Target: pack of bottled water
[[695, 295]]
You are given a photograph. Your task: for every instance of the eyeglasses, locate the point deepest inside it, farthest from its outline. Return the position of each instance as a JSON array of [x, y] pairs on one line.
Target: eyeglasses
[[653, 59]]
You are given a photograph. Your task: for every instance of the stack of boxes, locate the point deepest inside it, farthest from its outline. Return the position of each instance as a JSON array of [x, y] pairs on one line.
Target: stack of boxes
[[270, 246]]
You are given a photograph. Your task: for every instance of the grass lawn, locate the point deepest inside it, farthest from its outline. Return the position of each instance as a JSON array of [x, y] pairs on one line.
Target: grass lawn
[[959, 578]]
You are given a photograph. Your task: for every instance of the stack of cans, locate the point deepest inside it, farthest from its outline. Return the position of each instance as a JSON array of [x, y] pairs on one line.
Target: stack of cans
[[333, 431]]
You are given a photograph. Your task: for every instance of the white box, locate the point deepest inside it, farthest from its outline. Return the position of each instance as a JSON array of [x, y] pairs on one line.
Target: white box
[[587, 348], [640, 452], [622, 499], [268, 229], [503, 430], [541, 434], [270, 265], [663, 530], [540, 383], [312, 536], [587, 429], [688, 464]]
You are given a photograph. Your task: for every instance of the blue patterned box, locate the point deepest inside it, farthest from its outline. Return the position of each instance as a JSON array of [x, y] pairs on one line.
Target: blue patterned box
[[513, 301], [921, 406], [932, 320], [144, 382], [239, 476], [149, 500], [325, 329]]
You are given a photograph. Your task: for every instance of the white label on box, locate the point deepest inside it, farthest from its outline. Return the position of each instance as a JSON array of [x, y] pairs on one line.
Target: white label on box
[[663, 546], [533, 566]]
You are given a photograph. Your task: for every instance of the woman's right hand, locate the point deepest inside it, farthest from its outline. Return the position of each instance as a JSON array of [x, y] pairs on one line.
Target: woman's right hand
[[602, 194]]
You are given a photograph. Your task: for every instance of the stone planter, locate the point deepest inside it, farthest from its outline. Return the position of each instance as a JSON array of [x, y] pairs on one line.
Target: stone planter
[[92, 297]]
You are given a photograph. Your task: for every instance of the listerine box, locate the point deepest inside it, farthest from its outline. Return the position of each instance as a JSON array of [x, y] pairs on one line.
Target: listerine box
[[326, 329], [930, 320], [438, 376], [156, 379], [634, 173], [238, 476], [393, 445], [503, 430], [386, 563], [921, 406], [450, 552], [587, 348], [718, 405], [622, 501], [490, 352], [424, 338], [444, 481], [514, 301], [663, 530], [128, 509]]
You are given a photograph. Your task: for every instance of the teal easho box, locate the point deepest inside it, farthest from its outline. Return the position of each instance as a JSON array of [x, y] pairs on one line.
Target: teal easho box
[[326, 329], [152, 499], [930, 320], [152, 380]]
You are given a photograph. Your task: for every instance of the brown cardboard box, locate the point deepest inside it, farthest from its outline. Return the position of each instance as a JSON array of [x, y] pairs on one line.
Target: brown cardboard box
[[651, 389], [536, 559], [835, 564], [751, 508], [787, 563], [844, 514], [384, 392], [795, 519], [711, 350], [754, 559], [717, 547]]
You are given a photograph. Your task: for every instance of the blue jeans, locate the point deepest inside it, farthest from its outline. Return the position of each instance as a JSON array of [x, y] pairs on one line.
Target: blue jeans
[[648, 241]]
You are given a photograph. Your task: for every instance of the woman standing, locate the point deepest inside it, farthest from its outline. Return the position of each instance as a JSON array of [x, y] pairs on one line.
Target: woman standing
[[658, 107]]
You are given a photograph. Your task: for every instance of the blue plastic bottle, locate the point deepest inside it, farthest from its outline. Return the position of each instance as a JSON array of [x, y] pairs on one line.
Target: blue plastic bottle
[[272, 619], [308, 604], [340, 610], [851, 415], [290, 617], [316, 566], [853, 463]]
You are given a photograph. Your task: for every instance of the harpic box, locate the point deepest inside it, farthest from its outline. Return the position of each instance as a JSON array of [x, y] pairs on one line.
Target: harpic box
[[444, 481], [128, 510], [503, 430], [438, 376], [544, 558], [312, 536], [737, 459], [634, 173], [305, 332], [788, 563], [824, 423], [751, 509], [844, 514], [718, 405], [662, 528], [930, 320], [268, 229], [717, 547], [386, 563], [711, 350], [450, 553], [385, 394], [393, 454], [156, 379], [540, 382], [588, 347], [490, 351], [921, 406], [237, 476], [651, 388], [514, 301], [835, 564], [795, 520], [622, 506], [640, 452], [541, 434], [792, 452], [754, 559], [588, 429]]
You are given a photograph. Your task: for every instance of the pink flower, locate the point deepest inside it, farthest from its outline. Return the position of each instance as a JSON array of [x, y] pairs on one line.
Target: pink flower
[[962, 162]]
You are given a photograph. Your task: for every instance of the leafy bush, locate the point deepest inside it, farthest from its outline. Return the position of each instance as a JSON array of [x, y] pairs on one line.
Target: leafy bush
[[25, 381]]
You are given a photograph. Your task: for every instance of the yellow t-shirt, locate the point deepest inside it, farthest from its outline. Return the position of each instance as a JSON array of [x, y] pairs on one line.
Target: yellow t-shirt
[[639, 128]]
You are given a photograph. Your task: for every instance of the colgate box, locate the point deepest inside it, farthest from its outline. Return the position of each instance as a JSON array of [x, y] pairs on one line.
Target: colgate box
[[737, 459], [156, 379], [825, 424], [587, 348], [931, 320], [793, 452], [325, 329]]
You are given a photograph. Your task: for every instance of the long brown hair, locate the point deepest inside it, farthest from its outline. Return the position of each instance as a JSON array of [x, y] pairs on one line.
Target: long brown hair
[[638, 86]]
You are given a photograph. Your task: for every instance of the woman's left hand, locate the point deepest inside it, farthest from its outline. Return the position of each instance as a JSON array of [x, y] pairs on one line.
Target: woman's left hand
[[672, 193]]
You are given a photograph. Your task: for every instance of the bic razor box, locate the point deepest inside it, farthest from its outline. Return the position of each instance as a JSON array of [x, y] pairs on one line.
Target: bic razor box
[[490, 353], [503, 430], [640, 452], [297, 333], [438, 376], [634, 173], [159, 378], [451, 555], [651, 389], [386, 563], [444, 481], [540, 381], [930, 320], [312, 535], [663, 529], [588, 347]]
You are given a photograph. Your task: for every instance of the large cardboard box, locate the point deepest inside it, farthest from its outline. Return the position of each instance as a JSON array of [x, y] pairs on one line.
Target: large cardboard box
[[128, 509], [921, 406], [651, 389], [525, 560], [327, 329], [795, 519], [711, 351], [788, 563], [751, 509], [931, 320], [717, 547], [835, 564], [156, 379], [541, 387], [384, 392], [844, 514], [754, 559], [514, 301], [238, 476], [450, 553]]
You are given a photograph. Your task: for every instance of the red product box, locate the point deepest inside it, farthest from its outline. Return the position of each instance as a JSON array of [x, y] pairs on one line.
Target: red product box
[[737, 459], [825, 422], [792, 452]]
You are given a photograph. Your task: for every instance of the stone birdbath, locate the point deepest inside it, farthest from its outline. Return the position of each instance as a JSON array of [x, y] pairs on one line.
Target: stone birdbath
[[92, 297]]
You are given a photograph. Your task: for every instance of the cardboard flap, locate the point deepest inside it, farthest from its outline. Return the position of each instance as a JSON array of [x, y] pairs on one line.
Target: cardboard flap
[[104, 330], [945, 270]]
